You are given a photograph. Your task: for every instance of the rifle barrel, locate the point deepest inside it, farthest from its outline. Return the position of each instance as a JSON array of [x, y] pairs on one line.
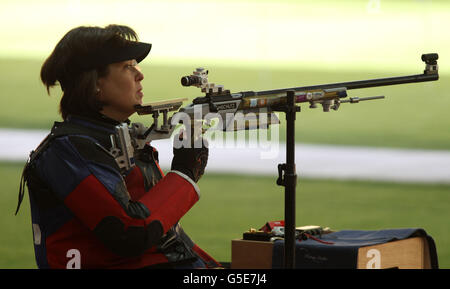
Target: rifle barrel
[[361, 83]]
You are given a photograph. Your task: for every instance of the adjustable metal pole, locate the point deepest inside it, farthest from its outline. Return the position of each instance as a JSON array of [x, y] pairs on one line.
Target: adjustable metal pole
[[290, 182]]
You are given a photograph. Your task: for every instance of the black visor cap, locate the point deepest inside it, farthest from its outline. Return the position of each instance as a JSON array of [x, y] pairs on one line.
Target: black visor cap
[[111, 54]]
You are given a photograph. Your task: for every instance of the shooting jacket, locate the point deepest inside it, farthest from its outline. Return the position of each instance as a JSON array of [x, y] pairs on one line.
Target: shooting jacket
[[87, 213]]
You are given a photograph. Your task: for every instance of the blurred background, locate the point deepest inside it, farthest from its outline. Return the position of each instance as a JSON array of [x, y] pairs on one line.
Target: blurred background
[[256, 45]]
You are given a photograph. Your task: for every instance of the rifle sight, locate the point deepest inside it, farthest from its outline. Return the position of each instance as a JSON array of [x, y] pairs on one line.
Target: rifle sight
[[190, 80]]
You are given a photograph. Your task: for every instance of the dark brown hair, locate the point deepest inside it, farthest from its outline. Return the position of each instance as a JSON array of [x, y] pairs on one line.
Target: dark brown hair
[[70, 64]]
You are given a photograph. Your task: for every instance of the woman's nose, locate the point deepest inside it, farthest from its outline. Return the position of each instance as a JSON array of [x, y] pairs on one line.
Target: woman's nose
[[139, 74]]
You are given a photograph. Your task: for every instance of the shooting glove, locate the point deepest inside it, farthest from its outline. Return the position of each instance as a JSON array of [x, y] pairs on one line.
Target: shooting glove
[[191, 161]]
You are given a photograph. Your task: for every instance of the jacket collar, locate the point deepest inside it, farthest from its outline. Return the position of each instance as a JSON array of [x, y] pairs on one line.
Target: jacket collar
[[96, 121]]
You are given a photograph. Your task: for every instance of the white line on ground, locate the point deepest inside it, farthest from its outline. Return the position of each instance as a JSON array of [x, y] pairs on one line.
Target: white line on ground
[[312, 160]]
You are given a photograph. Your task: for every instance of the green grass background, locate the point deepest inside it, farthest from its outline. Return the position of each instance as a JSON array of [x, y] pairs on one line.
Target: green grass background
[[412, 116]]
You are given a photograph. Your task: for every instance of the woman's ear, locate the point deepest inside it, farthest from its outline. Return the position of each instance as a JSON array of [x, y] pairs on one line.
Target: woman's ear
[[98, 88]]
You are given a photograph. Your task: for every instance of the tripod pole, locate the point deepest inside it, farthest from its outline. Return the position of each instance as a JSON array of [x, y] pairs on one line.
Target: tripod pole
[[287, 177], [290, 177]]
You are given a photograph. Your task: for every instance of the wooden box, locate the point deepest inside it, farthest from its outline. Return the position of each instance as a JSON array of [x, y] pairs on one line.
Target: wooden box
[[411, 253], [247, 254]]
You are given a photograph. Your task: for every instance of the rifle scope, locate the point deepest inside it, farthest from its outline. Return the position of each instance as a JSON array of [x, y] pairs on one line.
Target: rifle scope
[[190, 80]]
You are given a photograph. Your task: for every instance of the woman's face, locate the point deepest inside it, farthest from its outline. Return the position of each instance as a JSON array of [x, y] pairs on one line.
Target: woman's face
[[120, 90]]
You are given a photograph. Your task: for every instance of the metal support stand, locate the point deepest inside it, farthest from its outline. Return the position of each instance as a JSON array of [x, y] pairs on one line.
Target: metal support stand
[[287, 177]]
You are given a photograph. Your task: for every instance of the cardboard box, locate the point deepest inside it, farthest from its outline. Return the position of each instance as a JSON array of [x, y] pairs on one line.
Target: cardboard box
[[411, 253], [247, 254]]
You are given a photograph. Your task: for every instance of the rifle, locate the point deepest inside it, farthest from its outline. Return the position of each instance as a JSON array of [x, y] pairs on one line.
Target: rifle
[[222, 102], [243, 110], [254, 109]]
